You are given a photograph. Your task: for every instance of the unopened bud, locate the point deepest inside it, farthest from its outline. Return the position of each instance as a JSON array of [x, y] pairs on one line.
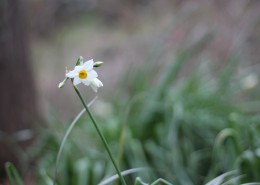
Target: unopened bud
[[80, 61], [98, 63], [61, 84]]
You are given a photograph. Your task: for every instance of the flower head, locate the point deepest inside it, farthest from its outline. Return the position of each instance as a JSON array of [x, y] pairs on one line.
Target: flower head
[[95, 84], [84, 73]]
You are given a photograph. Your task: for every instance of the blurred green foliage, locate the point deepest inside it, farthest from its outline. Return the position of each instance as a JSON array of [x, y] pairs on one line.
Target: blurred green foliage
[[187, 128]]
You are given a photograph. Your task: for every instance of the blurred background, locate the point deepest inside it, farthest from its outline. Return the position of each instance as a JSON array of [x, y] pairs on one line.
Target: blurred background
[[181, 88]]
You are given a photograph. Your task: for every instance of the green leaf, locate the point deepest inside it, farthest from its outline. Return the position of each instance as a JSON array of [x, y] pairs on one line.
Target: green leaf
[[13, 175]]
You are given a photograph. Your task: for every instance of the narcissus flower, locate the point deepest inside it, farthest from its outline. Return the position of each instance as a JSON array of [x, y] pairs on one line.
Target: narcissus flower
[[85, 74], [95, 84]]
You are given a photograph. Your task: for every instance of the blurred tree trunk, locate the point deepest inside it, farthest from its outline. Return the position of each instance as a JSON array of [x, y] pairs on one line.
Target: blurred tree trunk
[[17, 94]]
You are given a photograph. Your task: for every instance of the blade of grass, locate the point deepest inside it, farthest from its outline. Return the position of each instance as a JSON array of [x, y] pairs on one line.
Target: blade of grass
[[126, 172], [13, 175], [66, 136], [161, 180], [218, 180]]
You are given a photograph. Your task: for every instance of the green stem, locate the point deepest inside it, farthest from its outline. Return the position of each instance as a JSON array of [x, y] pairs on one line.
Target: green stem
[[101, 136]]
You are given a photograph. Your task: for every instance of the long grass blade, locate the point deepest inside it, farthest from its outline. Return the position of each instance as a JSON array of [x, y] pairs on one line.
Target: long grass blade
[[126, 172], [13, 174], [218, 180], [66, 136]]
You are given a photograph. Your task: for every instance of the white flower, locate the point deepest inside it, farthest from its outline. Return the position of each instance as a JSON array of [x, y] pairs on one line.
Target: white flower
[[84, 73], [95, 83]]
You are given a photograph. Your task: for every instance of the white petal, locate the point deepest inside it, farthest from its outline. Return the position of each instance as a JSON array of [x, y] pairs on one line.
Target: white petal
[[86, 82], [76, 80], [71, 74], [98, 82], [88, 65], [95, 84], [92, 74], [78, 68]]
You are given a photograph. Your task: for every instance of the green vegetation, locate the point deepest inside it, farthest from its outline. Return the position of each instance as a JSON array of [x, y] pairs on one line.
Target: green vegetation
[[184, 129]]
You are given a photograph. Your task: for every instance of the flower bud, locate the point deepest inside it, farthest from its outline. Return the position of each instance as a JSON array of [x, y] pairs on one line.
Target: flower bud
[[80, 61], [98, 64], [61, 84]]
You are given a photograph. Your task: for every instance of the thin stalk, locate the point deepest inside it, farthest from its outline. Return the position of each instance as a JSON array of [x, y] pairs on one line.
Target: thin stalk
[[100, 135]]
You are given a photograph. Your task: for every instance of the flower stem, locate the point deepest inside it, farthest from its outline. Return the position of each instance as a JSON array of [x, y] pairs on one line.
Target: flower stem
[[101, 135]]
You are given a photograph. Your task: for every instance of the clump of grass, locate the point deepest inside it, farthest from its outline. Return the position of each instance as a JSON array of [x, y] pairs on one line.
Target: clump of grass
[[187, 129], [192, 128]]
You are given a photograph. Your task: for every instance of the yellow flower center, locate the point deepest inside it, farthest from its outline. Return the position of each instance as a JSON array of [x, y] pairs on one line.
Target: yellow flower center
[[83, 74]]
